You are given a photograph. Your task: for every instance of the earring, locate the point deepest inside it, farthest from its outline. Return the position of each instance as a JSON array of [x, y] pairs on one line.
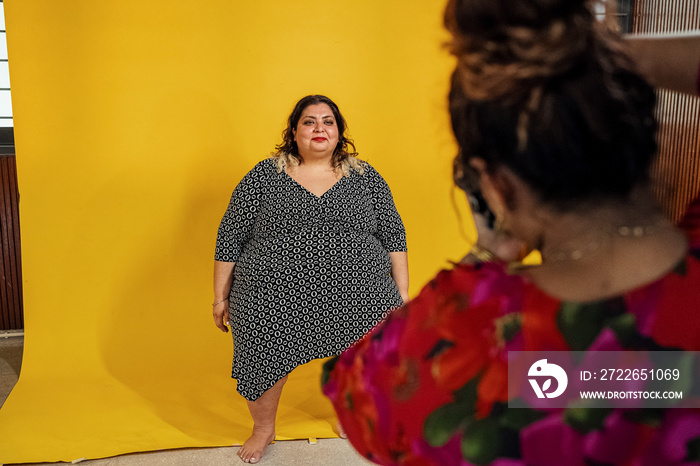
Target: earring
[[498, 224]]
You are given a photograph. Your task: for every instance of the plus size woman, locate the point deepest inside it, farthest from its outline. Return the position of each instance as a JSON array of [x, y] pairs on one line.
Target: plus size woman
[[310, 255]]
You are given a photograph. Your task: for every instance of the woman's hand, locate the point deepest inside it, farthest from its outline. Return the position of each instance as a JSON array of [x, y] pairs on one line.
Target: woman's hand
[[220, 312], [223, 278], [669, 61], [399, 272]]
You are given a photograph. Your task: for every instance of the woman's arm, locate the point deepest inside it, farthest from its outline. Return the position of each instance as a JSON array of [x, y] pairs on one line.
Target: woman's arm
[[235, 230], [223, 278], [668, 61], [399, 272]]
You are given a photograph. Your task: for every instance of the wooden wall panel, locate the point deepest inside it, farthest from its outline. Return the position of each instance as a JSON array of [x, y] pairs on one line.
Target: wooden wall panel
[[677, 170], [11, 317]]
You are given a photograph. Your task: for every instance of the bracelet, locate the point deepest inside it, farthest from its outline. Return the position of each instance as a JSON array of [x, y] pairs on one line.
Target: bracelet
[[225, 299], [484, 255]]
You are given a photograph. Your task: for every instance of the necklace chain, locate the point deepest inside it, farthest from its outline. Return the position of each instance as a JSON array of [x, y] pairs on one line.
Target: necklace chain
[[625, 231]]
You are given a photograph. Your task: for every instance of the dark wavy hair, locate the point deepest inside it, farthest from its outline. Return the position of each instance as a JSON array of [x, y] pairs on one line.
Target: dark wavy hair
[[543, 88], [343, 150]]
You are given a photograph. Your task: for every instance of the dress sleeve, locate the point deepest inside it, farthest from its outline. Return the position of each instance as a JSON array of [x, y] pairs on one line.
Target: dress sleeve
[[390, 231], [690, 223], [236, 226]]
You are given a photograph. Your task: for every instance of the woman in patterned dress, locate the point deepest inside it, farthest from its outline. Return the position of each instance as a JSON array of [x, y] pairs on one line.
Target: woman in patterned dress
[[556, 132], [310, 255]]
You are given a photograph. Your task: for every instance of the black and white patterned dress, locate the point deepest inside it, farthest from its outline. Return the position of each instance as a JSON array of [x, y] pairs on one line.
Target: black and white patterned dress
[[312, 274]]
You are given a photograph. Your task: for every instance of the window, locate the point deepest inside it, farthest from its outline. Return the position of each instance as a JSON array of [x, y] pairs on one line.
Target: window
[[623, 12], [6, 123]]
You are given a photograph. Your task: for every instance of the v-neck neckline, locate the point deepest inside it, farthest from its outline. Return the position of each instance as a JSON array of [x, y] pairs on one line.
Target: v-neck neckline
[[312, 194]]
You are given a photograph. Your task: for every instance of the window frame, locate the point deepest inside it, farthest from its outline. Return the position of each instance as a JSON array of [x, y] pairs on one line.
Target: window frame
[[7, 133]]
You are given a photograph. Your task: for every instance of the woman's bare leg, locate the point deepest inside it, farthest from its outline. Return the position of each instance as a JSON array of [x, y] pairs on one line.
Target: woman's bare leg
[[264, 411]]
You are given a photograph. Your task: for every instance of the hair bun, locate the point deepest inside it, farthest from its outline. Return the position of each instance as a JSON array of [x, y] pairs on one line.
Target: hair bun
[[501, 44], [482, 16]]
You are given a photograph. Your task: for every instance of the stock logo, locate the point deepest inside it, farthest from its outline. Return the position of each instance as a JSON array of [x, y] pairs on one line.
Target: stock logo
[[544, 370]]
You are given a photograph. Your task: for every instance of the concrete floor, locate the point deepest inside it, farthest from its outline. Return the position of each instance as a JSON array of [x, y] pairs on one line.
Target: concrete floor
[[327, 452]]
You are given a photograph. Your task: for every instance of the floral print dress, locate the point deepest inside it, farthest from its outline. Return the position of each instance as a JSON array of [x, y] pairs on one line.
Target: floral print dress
[[429, 385]]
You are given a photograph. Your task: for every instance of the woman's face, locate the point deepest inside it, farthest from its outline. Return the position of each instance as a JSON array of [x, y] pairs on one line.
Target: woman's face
[[316, 133]]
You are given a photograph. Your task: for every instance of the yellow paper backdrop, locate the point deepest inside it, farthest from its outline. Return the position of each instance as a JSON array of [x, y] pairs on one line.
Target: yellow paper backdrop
[[134, 120]]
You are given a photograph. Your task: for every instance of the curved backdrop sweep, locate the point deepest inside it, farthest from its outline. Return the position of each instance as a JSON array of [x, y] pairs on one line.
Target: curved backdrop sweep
[[133, 123]]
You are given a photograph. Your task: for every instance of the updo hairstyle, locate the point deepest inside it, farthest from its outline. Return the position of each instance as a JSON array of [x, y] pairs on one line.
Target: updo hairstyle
[[543, 88]]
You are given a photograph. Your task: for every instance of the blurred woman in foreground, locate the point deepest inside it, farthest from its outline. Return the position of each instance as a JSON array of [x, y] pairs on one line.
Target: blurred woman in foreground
[[556, 136]]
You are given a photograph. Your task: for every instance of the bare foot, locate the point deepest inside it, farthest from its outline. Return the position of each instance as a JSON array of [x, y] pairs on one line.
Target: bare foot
[[254, 448], [341, 431]]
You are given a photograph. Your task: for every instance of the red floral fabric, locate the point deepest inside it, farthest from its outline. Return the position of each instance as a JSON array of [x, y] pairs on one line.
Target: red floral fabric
[[429, 385]]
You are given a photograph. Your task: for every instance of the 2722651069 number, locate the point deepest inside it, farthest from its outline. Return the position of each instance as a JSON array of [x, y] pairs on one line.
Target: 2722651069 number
[[639, 374]]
